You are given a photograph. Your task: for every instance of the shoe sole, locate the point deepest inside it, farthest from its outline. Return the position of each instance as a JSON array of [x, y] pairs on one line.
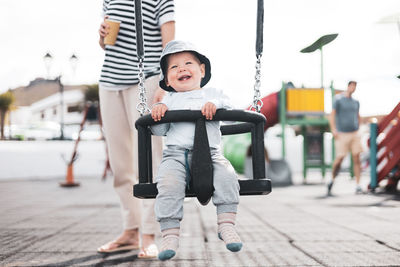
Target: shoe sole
[[121, 248]]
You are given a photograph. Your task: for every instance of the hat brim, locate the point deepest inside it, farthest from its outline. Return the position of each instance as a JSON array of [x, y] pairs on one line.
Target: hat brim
[[203, 59]]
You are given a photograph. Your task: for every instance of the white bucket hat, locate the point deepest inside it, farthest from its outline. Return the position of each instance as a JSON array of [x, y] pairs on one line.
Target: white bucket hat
[[174, 47]]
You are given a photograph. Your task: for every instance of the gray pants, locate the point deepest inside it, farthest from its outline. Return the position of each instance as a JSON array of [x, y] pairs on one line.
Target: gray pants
[[171, 185]]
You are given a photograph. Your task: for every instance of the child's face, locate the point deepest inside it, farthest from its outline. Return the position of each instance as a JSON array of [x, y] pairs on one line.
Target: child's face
[[184, 72]]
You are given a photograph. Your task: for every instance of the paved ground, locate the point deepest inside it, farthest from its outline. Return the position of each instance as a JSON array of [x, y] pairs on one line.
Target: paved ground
[[43, 224]]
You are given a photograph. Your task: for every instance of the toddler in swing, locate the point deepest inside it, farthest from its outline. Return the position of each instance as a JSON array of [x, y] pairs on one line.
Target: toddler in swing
[[185, 72]]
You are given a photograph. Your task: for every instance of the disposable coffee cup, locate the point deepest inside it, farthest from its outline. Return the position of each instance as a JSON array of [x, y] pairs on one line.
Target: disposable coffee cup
[[113, 32]]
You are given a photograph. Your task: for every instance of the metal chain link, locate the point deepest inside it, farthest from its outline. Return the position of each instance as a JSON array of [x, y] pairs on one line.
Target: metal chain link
[[257, 102], [142, 105]]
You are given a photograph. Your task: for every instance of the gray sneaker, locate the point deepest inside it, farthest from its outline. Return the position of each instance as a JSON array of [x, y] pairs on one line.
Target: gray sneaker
[[329, 186], [359, 190]]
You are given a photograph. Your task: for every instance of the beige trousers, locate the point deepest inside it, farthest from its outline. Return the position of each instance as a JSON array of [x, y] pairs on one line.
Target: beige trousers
[[346, 142], [118, 111]]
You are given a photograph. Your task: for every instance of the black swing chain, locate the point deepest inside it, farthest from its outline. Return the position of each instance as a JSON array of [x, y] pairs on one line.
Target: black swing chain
[[142, 105], [257, 102]]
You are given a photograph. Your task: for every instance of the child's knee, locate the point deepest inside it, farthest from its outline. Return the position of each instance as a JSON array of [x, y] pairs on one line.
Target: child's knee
[[170, 185], [227, 183]]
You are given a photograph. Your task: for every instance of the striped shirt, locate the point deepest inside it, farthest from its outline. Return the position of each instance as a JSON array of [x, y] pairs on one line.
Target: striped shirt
[[120, 67]]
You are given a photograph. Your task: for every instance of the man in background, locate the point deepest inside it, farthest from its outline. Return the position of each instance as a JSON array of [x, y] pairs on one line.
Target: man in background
[[344, 123]]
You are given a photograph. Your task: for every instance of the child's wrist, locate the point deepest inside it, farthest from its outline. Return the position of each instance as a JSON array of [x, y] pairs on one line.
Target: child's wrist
[[213, 101], [156, 104]]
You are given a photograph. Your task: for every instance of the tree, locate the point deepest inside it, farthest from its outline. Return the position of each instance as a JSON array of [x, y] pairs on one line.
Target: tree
[[6, 100]]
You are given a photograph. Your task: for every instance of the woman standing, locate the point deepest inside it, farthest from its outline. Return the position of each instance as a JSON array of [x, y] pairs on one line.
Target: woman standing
[[118, 90]]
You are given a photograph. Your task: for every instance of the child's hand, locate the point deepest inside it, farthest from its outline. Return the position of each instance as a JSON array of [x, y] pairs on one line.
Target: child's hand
[[158, 111], [209, 110]]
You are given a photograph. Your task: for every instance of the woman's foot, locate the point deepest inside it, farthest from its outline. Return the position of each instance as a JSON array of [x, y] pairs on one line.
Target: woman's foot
[[149, 249], [170, 244], [128, 240]]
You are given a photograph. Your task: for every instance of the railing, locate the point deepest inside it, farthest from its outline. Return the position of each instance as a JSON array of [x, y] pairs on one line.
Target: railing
[[384, 146]]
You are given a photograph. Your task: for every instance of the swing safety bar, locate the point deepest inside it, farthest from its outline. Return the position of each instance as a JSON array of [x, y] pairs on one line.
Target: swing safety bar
[[250, 122]]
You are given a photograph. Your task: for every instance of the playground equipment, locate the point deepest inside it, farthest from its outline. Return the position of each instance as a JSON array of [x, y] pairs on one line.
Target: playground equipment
[[319, 44], [201, 171], [278, 171], [304, 108], [384, 145], [237, 148], [297, 107]]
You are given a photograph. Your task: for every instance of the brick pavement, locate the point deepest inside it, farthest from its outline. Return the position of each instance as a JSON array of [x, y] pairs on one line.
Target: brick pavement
[[43, 224]]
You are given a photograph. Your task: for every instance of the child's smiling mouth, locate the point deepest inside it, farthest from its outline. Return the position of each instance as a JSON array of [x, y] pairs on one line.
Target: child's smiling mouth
[[184, 77]]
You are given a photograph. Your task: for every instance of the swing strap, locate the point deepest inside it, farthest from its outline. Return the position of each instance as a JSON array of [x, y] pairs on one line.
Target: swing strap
[[139, 29], [187, 169], [202, 167], [260, 28]]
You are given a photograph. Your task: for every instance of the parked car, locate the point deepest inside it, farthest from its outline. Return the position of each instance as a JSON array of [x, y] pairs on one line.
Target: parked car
[[43, 130], [89, 132]]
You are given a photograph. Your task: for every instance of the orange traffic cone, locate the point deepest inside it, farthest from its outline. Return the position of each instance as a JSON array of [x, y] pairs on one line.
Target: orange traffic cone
[[69, 179]]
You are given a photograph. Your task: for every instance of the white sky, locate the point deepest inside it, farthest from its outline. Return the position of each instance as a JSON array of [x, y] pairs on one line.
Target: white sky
[[365, 50]]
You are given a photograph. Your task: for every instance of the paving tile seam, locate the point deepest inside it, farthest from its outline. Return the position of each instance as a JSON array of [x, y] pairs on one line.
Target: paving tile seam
[[274, 265], [378, 204], [203, 229], [100, 260], [26, 218], [380, 242], [289, 239], [47, 212], [51, 235]]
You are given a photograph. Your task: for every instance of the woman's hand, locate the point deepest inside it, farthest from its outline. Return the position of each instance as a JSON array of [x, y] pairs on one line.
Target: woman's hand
[[103, 31]]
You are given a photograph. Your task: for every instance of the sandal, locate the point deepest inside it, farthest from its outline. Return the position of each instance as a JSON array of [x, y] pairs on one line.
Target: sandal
[[148, 253], [114, 246]]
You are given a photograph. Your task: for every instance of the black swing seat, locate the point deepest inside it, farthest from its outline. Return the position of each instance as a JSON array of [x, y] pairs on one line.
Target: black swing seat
[[247, 187], [201, 162]]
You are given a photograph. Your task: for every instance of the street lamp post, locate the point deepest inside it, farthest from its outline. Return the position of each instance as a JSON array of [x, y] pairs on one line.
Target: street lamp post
[[73, 61], [61, 87], [47, 63]]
